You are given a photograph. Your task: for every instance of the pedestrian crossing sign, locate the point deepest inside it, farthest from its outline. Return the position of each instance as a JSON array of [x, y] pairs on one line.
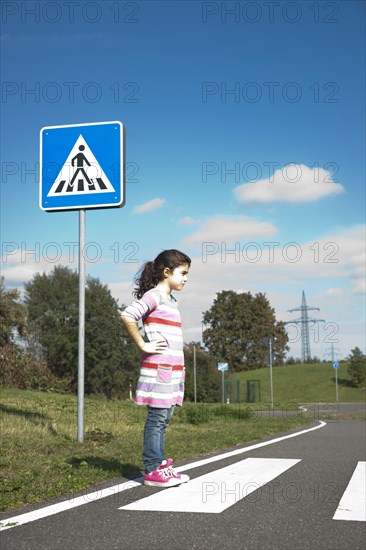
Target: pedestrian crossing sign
[[82, 166]]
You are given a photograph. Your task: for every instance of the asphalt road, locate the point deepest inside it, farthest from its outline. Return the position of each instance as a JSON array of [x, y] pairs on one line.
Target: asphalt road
[[293, 511]]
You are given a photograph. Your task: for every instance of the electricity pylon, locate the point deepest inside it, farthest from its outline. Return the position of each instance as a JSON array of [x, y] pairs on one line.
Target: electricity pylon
[[332, 352], [304, 322]]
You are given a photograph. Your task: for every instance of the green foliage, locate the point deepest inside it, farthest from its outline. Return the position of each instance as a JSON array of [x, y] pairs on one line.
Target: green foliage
[[12, 314], [238, 327], [52, 302], [111, 361], [357, 368], [21, 369], [208, 379], [203, 413], [195, 414]]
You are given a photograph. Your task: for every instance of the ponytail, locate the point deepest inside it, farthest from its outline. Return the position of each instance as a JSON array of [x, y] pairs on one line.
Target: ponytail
[[153, 272]]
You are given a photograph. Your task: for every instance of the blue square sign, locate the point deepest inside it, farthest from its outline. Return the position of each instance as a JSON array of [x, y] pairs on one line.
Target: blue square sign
[[223, 366], [82, 166]]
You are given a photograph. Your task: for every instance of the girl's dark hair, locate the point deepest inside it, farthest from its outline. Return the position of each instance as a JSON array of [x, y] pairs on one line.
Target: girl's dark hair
[[152, 272]]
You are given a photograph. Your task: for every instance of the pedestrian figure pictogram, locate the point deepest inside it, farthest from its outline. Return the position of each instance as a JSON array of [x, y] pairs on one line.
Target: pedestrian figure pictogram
[[80, 158], [81, 173]]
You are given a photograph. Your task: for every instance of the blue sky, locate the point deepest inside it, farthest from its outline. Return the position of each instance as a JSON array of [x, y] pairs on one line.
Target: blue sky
[[244, 133]]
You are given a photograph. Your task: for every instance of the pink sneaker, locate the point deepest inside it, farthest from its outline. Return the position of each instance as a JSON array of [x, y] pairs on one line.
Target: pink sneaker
[[161, 477], [168, 465]]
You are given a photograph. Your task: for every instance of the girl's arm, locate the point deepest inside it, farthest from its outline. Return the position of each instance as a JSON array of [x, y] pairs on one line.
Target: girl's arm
[[156, 346]]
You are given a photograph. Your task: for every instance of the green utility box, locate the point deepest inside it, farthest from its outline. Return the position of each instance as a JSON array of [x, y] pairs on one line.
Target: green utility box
[[253, 391], [232, 391]]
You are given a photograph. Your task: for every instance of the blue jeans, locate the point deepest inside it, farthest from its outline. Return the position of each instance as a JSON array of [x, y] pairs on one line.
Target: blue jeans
[[154, 434]]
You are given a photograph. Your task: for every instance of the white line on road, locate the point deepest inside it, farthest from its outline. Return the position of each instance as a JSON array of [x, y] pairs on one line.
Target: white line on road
[[41, 513], [212, 493], [67, 505], [352, 506]]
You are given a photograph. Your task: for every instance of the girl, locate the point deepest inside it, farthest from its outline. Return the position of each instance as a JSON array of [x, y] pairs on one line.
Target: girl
[[162, 373]]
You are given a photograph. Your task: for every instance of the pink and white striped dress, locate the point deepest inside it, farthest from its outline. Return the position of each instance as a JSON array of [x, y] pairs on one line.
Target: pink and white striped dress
[[162, 376]]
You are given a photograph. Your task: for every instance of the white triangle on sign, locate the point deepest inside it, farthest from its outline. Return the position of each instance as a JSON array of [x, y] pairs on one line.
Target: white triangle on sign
[[81, 174]]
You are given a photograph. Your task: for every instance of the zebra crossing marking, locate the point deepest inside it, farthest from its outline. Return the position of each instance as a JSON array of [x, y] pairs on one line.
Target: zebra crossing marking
[[216, 491], [352, 506]]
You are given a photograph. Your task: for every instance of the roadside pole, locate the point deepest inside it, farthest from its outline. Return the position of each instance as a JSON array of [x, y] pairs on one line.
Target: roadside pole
[[223, 367], [270, 368], [336, 367], [194, 374], [81, 351]]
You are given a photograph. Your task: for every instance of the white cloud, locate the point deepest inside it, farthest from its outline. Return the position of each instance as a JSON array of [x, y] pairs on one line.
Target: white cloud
[[187, 220], [334, 292], [360, 286], [293, 183], [148, 206], [230, 228]]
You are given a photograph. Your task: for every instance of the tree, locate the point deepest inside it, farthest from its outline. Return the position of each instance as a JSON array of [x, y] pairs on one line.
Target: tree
[[238, 327], [12, 314], [208, 379], [19, 367], [110, 359], [52, 302], [357, 367]]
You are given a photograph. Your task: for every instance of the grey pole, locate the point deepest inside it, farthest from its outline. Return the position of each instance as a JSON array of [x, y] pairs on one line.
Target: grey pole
[[270, 369], [336, 370], [194, 374], [81, 355]]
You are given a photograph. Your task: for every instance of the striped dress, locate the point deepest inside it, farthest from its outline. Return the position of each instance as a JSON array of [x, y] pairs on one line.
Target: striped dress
[[161, 380]]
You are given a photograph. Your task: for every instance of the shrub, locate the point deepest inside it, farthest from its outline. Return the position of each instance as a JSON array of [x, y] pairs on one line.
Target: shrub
[[357, 368], [20, 369]]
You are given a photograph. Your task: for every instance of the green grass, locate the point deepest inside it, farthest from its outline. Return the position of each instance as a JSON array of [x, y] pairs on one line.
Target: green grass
[[41, 458], [302, 383]]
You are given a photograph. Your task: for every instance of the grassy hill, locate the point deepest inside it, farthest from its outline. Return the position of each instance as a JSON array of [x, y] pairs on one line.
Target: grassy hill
[[300, 383]]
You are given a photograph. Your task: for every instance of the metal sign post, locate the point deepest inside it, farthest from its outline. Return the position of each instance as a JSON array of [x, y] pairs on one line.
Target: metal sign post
[[336, 367], [82, 166], [268, 342], [223, 367], [81, 352], [194, 374], [270, 368]]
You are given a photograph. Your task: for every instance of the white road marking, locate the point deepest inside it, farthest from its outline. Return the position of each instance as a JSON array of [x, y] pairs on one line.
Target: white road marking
[[352, 506], [41, 513], [212, 493], [67, 504]]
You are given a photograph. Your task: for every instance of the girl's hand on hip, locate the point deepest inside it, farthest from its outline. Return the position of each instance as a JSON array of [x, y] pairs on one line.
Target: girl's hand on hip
[[154, 347]]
